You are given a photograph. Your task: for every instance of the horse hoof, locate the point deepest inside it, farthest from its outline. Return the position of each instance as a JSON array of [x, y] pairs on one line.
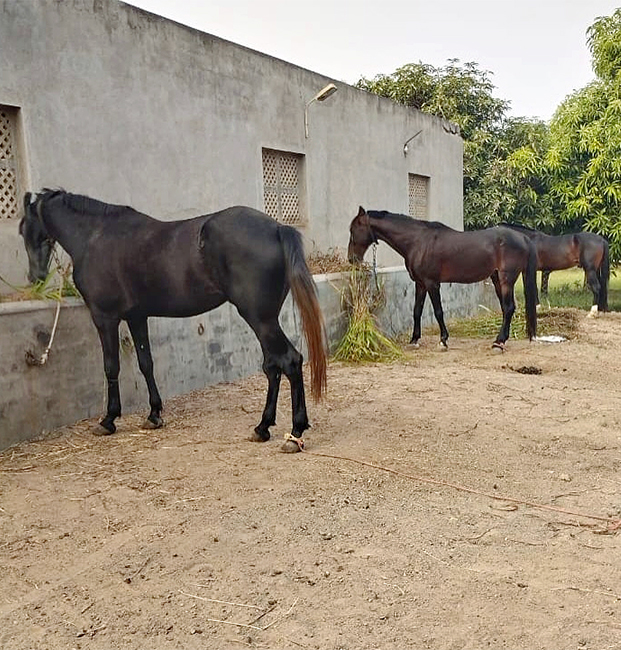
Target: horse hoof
[[156, 423], [291, 447], [257, 436], [101, 430], [412, 346], [594, 313], [498, 348], [443, 346]]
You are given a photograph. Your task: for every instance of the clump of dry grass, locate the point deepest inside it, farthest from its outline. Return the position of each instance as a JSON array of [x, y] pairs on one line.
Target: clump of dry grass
[[555, 320], [363, 340], [332, 261]]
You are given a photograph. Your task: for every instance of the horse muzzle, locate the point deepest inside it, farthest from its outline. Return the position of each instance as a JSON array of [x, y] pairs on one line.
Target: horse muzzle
[[353, 256]]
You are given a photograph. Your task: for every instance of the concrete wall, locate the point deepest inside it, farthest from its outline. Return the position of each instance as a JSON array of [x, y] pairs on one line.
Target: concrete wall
[[71, 385], [135, 109]]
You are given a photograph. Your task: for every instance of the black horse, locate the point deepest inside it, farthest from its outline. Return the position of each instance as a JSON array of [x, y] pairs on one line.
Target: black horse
[[584, 249], [129, 266], [435, 253]]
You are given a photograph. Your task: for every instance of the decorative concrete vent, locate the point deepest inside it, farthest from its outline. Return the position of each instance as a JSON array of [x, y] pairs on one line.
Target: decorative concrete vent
[[281, 186], [8, 165], [418, 190]]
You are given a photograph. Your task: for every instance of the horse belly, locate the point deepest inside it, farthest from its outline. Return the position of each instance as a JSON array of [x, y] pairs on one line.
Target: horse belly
[[183, 308], [557, 262], [465, 269]]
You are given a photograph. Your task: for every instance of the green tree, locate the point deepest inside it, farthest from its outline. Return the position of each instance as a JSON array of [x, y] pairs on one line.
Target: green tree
[[523, 146], [584, 158]]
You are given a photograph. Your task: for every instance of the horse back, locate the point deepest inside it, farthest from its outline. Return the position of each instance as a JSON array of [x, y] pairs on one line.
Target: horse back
[[463, 257]]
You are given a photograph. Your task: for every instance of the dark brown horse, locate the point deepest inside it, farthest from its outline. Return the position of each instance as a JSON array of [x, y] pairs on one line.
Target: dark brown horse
[[128, 266], [435, 253], [584, 249]]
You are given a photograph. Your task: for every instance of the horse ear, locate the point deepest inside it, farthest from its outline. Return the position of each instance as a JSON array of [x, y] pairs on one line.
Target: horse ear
[[361, 211], [27, 197]]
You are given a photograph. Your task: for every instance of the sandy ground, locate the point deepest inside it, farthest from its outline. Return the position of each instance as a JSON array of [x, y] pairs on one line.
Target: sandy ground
[[418, 536]]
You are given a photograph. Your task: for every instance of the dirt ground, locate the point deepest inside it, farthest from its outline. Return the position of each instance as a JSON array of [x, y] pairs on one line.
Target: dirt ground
[[193, 537]]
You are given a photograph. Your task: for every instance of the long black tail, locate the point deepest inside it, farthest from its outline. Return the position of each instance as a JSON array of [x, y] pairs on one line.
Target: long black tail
[[304, 293], [603, 275], [529, 278]]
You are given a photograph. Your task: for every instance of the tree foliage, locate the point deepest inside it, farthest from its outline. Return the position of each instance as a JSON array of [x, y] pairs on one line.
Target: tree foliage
[[584, 157]]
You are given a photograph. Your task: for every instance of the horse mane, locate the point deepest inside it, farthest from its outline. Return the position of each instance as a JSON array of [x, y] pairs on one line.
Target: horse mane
[[382, 214], [83, 204]]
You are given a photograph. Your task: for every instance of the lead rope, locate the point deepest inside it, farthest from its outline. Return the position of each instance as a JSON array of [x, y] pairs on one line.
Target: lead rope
[[298, 441], [377, 288], [613, 524], [46, 353]]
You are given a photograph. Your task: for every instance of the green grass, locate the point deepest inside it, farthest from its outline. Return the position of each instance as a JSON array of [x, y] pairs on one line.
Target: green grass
[[567, 290]]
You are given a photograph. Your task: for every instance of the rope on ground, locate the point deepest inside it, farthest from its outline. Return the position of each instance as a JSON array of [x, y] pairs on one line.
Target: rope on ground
[[613, 524]]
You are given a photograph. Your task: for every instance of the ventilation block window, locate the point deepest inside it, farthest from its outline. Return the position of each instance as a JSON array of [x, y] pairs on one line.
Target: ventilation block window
[[282, 186], [9, 203], [418, 194]]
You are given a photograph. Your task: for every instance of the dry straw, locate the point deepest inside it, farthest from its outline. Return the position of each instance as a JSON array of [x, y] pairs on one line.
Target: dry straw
[[362, 297]]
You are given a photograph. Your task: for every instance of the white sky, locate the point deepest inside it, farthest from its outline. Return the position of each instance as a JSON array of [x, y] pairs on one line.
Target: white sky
[[536, 49]]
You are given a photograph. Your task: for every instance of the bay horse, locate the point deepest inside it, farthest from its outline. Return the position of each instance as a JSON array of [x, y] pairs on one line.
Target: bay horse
[[435, 253], [584, 249], [129, 266]]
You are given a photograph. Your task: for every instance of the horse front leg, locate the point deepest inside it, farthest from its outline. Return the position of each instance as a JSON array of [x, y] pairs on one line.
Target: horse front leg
[[108, 330], [419, 303], [139, 330], [434, 294]]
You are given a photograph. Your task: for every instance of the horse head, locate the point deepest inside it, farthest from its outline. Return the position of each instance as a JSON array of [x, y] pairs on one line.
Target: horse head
[[361, 236], [37, 241]]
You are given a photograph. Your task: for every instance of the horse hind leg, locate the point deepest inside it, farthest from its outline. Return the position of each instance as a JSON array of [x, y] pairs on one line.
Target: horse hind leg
[[262, 430], [292, 367], [280, 357], [595, 286], [507, 304]]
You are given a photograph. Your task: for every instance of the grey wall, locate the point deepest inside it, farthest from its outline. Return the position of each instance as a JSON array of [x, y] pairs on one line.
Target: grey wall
[[71, 385], [135, 109]]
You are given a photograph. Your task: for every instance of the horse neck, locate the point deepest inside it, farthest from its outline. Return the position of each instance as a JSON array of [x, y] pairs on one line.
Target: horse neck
[[69, 229], [391, 232]]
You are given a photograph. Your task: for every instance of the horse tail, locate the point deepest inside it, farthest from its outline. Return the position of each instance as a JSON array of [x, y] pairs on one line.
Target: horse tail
[[304, 294], [529, 278], [603, 276]]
